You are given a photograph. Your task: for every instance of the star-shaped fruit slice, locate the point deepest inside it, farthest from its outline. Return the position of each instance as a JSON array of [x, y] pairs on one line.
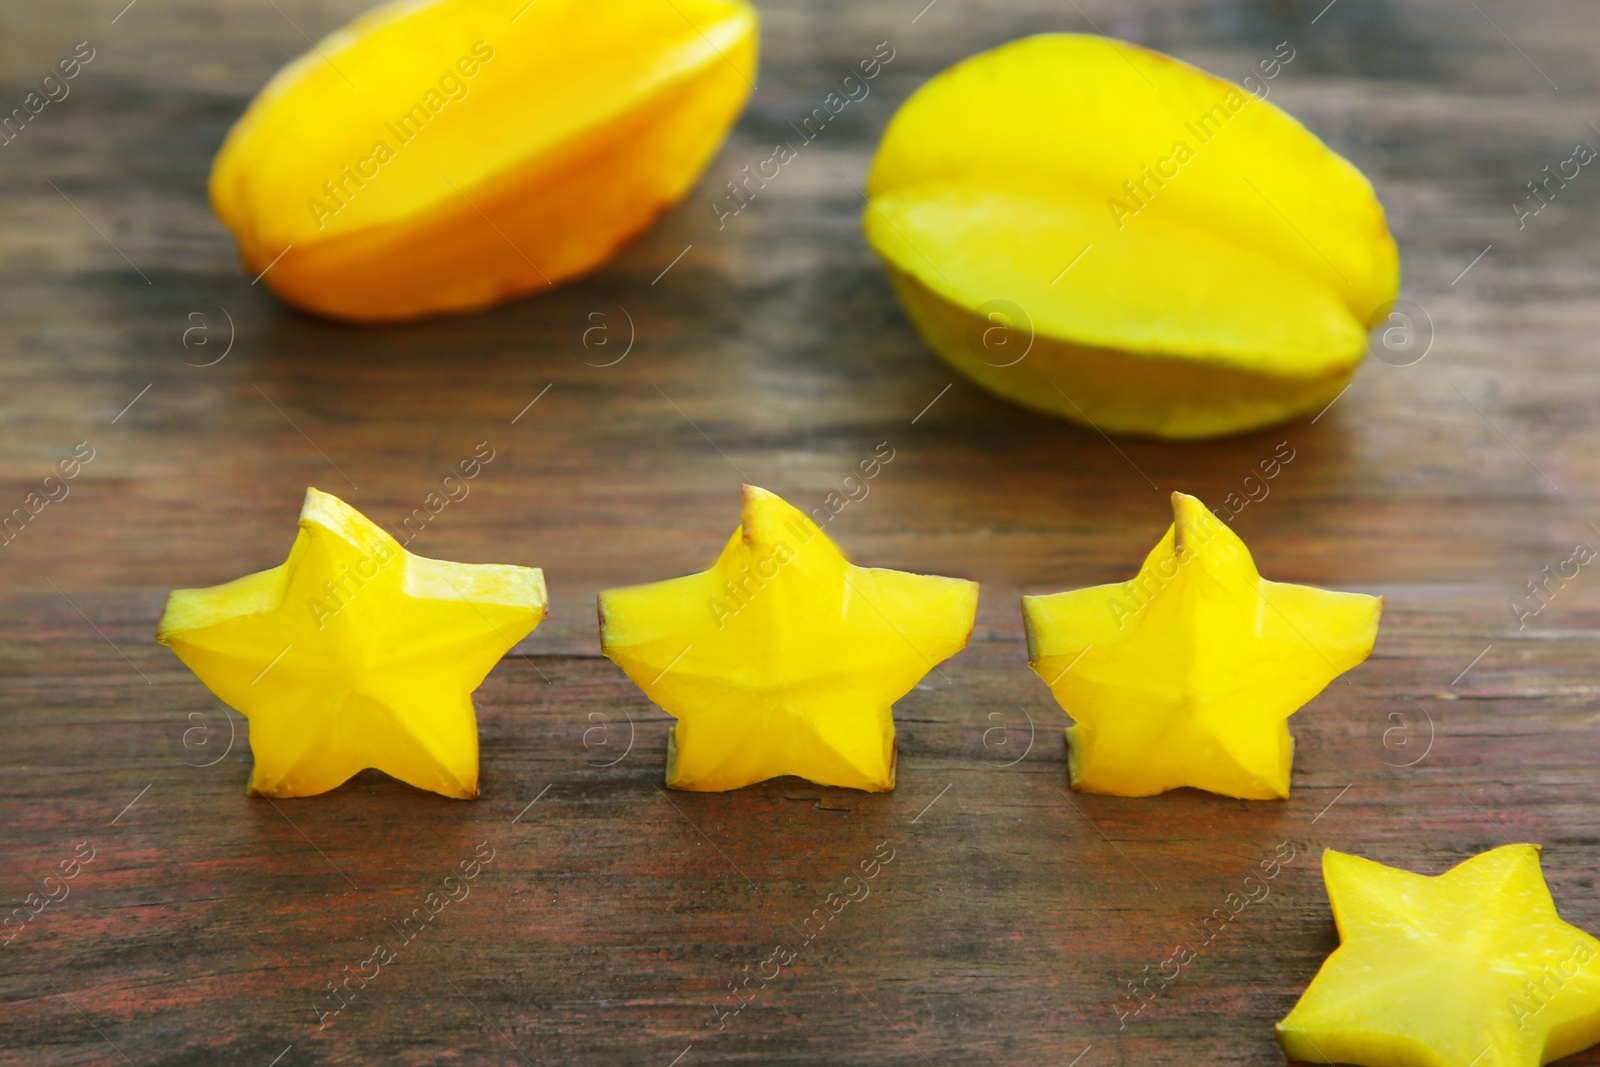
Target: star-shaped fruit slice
[[783, 658], [354, 653], [1187, 675], [1472, 968]]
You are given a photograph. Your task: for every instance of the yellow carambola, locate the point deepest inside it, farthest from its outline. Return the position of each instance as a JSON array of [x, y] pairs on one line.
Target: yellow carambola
[[1472, 968], [783, 658], [442, 155], [1187, 675], [354, 653], [1104, 233]]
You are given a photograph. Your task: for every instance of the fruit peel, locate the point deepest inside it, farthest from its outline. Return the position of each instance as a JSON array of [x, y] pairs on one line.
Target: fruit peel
[[1128, 392]]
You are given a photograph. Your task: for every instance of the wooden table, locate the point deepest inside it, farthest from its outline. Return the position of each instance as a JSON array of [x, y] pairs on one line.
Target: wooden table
[[614, 918]]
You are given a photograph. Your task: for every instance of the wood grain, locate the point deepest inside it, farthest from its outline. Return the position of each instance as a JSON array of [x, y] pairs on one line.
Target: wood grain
[[613, 916]]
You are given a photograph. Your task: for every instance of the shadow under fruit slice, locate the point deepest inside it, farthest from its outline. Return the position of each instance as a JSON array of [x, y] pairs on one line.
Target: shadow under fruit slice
[[445, 155], [1102, 232]]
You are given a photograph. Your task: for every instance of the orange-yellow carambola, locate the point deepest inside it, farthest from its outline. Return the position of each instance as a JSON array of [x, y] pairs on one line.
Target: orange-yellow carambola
[[783, 658], [1107, 234], [441, 155], [1187, 675], [354, 653], [1472, 968]]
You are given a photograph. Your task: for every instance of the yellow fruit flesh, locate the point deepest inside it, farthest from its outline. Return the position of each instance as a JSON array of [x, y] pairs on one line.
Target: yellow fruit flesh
[[783, 658], [1473, 968], [355, 653], [578, 124], [1258, 262], [1187, 675]]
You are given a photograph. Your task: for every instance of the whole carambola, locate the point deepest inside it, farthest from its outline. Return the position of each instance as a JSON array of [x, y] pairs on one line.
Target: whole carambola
[[446, 155], [1104, 233]]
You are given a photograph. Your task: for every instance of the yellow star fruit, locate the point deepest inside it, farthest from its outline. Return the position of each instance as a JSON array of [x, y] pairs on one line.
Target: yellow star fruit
[[354, 653], [439, 155], [783, 658], [1101, 232], [1472, 968], [1187, 675]]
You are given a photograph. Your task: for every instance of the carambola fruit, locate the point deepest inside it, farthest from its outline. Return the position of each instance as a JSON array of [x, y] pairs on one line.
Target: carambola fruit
[[1471, 968], [354, 653], [1187, 674], [784, 657], [445, 155], [1104, 233]]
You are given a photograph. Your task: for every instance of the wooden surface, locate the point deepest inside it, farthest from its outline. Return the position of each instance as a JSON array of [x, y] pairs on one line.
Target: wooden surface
[[613, 917]]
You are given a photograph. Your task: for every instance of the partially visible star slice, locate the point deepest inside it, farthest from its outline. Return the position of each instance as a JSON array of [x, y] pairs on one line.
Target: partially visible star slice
[[783, 658], [1187, 675], [354, 653], [1472, 968]]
